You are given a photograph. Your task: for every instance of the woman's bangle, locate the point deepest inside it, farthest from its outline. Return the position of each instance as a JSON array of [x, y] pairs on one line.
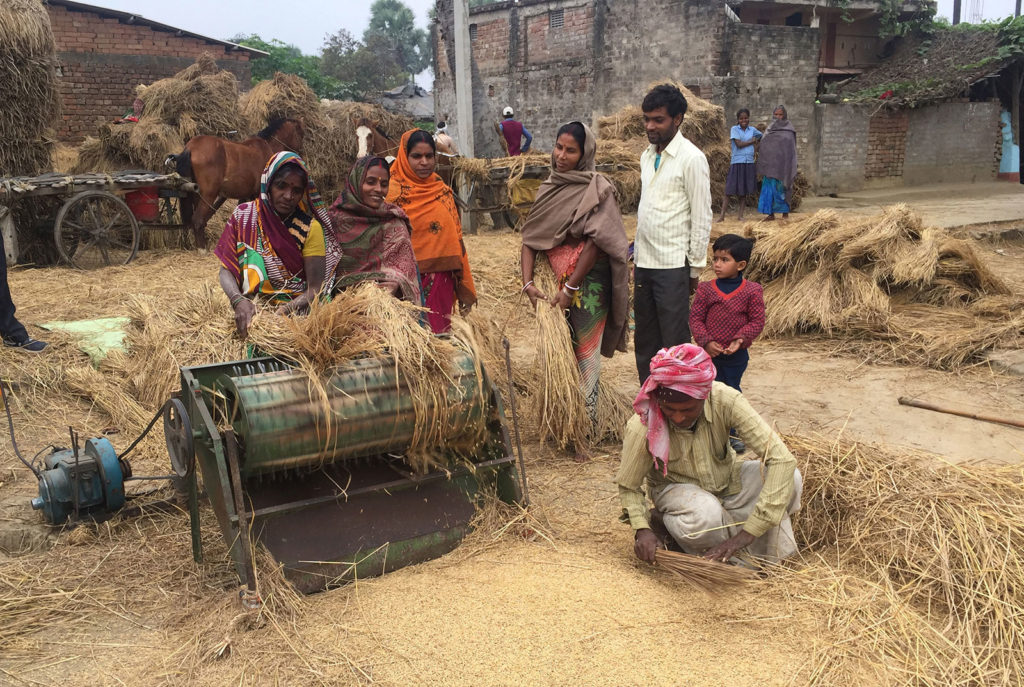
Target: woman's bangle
[[571, 288], [235, 300], [526, 286]]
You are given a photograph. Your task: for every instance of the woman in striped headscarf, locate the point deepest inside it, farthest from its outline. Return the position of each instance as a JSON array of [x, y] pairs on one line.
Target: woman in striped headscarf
[[280, 247]]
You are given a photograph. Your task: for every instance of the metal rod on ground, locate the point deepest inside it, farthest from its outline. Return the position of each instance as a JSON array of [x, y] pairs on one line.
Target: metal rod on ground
[[913, 402], [515, 420]]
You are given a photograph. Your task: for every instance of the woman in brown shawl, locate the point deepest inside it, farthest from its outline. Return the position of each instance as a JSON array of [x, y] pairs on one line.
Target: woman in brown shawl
[[776, 162], [576, 222], [374, 235]]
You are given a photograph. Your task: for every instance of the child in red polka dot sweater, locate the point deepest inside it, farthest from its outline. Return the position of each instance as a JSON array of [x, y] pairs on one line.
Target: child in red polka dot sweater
[[728, 312]]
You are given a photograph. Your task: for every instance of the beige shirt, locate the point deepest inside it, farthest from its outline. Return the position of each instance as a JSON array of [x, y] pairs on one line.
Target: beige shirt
[[673, 222], [703, 456]]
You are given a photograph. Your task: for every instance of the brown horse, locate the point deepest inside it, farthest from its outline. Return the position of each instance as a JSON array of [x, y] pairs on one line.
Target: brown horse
[[224, 169], [372, 140]]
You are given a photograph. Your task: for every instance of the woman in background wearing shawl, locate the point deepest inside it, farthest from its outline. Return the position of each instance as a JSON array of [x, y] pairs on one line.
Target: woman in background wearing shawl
[[576, 222], [374, 235], [436, 229], [776, 162], [281, 246]]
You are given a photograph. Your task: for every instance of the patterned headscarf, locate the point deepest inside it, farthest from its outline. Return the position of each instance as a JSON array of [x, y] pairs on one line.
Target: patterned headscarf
[[296, 226], [685, 368]]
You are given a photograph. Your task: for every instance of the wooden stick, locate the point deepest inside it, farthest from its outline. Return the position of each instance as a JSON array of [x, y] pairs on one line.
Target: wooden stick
[[905, 401]]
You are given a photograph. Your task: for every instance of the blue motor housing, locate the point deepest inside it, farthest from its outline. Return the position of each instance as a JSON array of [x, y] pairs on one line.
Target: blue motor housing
[[92, 483]]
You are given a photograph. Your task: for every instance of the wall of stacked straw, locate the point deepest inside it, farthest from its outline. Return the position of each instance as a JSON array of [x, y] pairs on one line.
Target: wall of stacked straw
[[29, 102]]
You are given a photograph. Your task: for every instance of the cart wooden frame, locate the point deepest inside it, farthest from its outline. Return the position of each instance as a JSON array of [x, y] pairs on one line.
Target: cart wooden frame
[[94, 227]]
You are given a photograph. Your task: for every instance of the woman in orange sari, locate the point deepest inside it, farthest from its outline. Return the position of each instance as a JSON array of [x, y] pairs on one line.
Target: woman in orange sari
[[436, 229]]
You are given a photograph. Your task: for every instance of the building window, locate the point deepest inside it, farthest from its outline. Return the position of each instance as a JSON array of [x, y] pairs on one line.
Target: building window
[[556, 19], [472, 32]]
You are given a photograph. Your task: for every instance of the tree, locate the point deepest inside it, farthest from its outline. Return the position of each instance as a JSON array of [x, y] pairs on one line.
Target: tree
[[361, 69], [393, 24], [289, 59]]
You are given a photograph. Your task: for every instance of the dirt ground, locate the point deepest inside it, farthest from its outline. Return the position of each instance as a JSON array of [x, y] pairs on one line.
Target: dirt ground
[[560, 601]]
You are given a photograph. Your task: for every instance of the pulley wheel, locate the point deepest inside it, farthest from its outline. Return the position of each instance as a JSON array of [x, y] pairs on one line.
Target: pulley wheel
[[178, 433]]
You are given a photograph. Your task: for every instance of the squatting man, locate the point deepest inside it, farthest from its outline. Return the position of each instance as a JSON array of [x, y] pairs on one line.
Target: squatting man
[[707, 501]]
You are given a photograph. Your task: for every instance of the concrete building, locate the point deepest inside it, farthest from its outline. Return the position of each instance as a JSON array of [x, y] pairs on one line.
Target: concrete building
[[104, 54], [556, 60]]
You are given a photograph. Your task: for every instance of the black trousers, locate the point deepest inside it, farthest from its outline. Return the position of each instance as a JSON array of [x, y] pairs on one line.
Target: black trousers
[[661, 313], [10, 328]]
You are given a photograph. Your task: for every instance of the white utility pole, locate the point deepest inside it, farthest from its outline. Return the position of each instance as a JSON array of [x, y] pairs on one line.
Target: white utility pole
[[463, 79]]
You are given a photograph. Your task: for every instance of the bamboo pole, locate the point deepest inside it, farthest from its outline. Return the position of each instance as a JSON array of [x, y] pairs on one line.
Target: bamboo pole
[[913, 402]]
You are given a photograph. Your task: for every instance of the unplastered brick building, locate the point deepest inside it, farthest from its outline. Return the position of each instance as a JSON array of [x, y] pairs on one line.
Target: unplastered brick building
[[104, 54], [558, 60]]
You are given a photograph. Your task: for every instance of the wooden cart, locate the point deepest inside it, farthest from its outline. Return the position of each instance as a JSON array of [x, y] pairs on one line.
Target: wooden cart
[[93, 225], [491, 196]]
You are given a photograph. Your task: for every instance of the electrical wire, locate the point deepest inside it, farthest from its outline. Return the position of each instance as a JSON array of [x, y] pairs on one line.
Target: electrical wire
[[10, 426]]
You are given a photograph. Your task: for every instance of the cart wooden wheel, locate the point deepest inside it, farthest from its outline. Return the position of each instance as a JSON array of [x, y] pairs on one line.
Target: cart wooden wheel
[[96, 229]]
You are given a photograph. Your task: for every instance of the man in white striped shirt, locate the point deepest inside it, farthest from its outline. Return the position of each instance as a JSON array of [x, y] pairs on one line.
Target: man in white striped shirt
[[672, 229]]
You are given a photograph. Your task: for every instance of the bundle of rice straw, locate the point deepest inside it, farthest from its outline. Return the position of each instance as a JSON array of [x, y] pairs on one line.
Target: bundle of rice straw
[[700, 573], [29, 100], [558, 404], [919, 563], [920, 295], [199, 100]]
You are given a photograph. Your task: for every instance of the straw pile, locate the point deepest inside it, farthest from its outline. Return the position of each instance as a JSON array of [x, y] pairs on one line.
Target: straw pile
[[199, 100], [921, 565], [921, 296], [29, 101]]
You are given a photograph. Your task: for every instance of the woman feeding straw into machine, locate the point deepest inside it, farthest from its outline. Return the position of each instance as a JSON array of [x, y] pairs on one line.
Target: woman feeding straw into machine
[[576, 222], [436, 229], [374, 235], [281, 246]]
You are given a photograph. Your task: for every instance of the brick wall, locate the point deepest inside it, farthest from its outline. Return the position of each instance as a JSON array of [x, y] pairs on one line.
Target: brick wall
[[102, 60], [945, 142], [772, 66], [887, 144], [839, 149], [953, 142]]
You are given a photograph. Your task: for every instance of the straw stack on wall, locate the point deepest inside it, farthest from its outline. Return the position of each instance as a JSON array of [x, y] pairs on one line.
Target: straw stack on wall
[[29, 101]]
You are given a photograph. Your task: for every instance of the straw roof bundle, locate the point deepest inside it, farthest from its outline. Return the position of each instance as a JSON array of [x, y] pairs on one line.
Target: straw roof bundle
[[29, 101], [909, 289], [938, 548]]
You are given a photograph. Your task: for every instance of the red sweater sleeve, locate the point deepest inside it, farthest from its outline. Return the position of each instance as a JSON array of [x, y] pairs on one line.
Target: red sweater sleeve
[[755, 315], [699, 313]]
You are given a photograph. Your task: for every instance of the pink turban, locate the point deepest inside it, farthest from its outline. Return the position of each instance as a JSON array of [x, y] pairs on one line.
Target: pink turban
[[687, 369]]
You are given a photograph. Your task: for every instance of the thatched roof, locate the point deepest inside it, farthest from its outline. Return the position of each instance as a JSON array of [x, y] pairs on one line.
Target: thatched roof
[[925, 70]]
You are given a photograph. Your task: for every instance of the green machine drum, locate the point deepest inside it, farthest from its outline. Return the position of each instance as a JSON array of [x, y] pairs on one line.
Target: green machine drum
[[317, 473]]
